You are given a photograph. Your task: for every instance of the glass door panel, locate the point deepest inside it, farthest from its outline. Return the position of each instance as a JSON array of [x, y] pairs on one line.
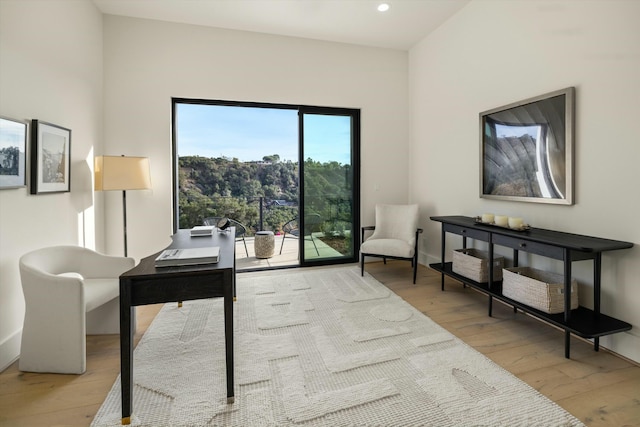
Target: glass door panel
[[238, 160], [329, 216]]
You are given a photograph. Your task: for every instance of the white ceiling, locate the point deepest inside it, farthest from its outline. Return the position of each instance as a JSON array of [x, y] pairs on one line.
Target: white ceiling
[[347, 21]]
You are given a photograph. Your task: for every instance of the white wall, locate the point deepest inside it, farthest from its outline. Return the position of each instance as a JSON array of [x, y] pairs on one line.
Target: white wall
[[495, 52], [490, 54], [149, 62], [50, 70], [52, 63]]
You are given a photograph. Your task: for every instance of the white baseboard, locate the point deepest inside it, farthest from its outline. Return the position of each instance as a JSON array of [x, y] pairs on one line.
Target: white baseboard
[[10, 350], [426, 259]]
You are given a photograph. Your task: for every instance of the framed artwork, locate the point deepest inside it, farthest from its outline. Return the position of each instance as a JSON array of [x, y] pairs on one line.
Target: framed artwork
[[13, 149], [50, 158], [527, 150]]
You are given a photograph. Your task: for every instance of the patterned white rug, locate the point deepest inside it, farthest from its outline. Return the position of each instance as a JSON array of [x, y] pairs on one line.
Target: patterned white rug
[[319, 347]]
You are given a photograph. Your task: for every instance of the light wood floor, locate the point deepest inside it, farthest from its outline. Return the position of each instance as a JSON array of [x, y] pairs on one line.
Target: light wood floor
[[599, 388]]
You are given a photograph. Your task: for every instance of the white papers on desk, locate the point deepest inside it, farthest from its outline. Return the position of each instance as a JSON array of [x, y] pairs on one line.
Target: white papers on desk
[[188, 256], [202, 230]]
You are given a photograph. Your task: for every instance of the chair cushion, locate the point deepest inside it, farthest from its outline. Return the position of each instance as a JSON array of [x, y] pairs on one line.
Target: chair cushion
[[100, 291], [388, 247], [396, 222]]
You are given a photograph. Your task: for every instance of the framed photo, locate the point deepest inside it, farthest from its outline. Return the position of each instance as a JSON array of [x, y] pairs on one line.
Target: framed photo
[[50, 158], [527, 150], [13, 148]]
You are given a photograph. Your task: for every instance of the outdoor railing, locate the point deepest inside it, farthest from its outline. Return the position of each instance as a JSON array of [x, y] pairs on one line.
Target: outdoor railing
[[262, 213]]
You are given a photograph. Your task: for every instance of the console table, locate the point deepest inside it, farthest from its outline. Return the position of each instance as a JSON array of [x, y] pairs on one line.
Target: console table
[[566, 247], [146, 284]]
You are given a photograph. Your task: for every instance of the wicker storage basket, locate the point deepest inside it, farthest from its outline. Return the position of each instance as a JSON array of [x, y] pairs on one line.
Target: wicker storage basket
[[539, 289], [474, 264]]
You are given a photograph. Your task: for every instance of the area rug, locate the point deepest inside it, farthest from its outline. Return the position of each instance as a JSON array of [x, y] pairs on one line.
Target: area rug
[[319, 347]]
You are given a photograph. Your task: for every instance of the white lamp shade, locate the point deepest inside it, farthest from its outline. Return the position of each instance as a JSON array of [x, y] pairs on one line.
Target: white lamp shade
[[122, 173]]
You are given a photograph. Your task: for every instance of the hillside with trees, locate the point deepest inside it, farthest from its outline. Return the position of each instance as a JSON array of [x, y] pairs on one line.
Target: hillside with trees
[[214, 187]]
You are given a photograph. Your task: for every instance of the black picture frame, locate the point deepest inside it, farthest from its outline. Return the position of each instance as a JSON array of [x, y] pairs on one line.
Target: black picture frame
[[50, 158], [13, 153], [526, 150]]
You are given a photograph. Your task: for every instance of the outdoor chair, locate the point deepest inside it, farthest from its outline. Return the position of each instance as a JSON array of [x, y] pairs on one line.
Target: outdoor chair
[[395, 235], [312, 224], [241, 230]]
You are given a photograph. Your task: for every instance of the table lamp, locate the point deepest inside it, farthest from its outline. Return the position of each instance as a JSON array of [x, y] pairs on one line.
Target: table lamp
[[122, 173]]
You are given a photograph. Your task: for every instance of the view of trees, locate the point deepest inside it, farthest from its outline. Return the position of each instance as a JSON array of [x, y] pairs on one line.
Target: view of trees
[[213, 187], [9, 160]]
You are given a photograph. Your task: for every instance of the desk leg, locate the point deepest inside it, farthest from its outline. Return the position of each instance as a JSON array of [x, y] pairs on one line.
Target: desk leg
[[126, 351], [228, 331], [234, 274], [442, 250]]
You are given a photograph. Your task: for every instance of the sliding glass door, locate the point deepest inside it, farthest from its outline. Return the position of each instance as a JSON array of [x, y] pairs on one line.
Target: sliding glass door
[[289, 169], [329, 182]]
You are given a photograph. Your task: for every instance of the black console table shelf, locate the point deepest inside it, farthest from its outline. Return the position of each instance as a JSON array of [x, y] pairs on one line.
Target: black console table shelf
[[583, 322], [448, 270], [566, 247]]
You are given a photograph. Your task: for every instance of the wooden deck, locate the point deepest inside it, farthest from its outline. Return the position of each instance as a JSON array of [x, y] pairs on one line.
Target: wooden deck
[[288, 258]]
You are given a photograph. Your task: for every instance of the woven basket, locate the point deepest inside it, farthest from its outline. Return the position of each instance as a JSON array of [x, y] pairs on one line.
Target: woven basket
[[474, 264], [539, 289]]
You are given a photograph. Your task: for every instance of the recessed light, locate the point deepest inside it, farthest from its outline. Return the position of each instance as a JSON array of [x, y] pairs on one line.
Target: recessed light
[[383, 7]]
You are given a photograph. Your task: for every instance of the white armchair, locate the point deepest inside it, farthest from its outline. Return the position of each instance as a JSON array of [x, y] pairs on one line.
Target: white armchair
[[69, 292], [395, 235]]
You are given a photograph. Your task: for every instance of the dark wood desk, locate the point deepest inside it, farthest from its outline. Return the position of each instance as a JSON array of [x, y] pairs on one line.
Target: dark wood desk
[[566, 247], [146, 284]]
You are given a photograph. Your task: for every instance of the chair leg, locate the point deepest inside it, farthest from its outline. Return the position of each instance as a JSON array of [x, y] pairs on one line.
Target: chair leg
[[415, 269], [284, 236], [361, 265], [245, 246]]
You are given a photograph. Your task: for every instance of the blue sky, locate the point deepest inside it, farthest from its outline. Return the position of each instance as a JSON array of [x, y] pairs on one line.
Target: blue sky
[[252, 133], [505, 130]]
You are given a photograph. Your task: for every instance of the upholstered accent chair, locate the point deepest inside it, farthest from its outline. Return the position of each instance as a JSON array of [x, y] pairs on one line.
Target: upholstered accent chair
[[69, 292], [395, 235]]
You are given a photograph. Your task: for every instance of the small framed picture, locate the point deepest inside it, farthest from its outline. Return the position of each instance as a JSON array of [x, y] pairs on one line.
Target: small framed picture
[[13, 153], [50, 158]]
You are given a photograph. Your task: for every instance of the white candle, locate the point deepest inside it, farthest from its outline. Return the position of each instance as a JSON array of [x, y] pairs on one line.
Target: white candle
[[502, 220], [515, 222], [487, 218]]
